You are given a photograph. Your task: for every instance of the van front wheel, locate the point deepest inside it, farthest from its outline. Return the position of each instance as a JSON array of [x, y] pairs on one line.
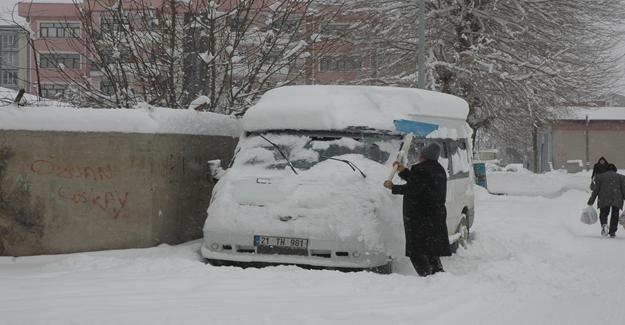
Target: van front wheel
[[463, 229], [463, 232]]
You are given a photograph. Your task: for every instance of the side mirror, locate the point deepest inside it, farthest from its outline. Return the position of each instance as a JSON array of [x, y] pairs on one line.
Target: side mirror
[[215, 170]]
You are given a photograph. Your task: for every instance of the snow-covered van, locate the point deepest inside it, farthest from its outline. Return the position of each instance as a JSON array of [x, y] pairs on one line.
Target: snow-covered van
[[305, 184]]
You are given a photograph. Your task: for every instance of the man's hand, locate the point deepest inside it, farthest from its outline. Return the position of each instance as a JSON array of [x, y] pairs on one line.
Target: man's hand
[[400, 166], [388, 184]]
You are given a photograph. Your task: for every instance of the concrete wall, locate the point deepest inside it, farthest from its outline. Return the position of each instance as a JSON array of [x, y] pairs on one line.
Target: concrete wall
[[64, 192], [570, 144]]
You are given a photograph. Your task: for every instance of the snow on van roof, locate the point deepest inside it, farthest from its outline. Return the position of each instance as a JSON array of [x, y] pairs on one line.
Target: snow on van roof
[[342, 107]]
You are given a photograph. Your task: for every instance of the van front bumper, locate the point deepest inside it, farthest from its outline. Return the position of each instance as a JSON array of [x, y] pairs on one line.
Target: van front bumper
[[320, 253]]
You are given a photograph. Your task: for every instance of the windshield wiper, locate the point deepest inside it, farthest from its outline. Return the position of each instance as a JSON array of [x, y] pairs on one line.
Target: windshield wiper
[[349, 163], [280, 151]]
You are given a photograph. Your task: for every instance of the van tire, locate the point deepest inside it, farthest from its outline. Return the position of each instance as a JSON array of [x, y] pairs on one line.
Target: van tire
[[463, 230]]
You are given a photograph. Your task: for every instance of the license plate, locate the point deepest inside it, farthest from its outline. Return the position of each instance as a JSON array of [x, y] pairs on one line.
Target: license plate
[[280, 245]]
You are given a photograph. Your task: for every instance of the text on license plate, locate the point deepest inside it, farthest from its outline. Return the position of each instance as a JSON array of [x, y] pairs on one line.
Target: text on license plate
[[280, 242]]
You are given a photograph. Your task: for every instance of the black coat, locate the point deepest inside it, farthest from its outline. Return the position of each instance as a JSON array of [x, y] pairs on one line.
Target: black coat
[[599, 168], [610, 188], [424, 209]]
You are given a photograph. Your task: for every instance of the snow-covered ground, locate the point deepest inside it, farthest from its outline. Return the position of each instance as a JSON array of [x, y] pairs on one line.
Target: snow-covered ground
[[531, 262]]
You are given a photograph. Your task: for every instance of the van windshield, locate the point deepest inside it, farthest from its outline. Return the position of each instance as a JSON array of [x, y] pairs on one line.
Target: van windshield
[[305, 151]]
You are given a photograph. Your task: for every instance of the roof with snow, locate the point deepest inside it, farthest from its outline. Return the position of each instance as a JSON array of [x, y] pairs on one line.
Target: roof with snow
[[594, 114], [344, 107]]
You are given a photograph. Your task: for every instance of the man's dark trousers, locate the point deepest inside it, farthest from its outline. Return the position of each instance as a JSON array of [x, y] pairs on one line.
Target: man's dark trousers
[[603, 217], [426, 265]]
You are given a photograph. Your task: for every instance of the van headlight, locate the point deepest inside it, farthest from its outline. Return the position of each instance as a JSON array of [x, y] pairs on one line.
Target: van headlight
[[215, 246]]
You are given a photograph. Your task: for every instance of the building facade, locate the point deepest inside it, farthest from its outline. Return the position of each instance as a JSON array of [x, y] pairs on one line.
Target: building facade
[[13, 48], [61, 64], [56, 55], [585, 135]]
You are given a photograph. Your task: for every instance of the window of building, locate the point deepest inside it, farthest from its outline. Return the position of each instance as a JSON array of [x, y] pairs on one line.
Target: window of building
[[59, 60], [112, 24], [114, 55], [334, 29], [236, 24], [9, 59], [53, 90], [340, 63], [8, 41], [8, 77], [59, 30], [289, 25], [106, 87]]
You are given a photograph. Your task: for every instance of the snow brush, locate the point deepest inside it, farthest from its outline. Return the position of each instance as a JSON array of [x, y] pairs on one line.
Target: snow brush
[[411, 129]]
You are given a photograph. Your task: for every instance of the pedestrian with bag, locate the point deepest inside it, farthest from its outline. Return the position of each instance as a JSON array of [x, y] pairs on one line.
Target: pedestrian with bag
[[609, 188]]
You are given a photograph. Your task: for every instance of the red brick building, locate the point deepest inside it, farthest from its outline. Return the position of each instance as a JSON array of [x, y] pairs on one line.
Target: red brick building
[[59, 40]]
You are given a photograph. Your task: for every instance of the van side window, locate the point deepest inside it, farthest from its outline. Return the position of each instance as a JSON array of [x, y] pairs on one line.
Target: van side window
[[459, 158], [443, 159], [412, 157]]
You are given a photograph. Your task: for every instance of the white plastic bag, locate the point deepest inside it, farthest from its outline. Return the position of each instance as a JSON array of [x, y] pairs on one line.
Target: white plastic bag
[[621, 219], [589, 215]]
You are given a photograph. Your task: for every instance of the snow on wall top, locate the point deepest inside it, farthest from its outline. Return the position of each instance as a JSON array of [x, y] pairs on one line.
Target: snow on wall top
[[595, 114], [341, 107], [140, 120]]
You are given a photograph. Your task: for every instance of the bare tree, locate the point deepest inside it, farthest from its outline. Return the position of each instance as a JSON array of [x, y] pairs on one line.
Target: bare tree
[[514, 61], [229, 51]]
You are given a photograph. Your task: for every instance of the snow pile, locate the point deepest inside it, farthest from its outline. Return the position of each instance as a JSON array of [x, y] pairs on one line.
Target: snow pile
[[526, 183], [144, 119], [200, 101], [343, 107]]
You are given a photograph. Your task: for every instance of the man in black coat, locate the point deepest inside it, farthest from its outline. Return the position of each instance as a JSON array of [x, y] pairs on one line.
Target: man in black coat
[[609, 187], [424, 210]]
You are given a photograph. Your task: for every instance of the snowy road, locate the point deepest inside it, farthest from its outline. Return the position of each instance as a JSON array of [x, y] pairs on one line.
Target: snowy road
[[531, 262]]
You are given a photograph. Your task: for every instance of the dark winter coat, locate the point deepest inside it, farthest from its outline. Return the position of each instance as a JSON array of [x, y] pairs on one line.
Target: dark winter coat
[[424, 209], [597, 169], [610, 188]]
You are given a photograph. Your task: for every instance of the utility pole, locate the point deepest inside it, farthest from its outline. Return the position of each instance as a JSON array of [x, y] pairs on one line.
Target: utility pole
[[421, 50], [587, 134]]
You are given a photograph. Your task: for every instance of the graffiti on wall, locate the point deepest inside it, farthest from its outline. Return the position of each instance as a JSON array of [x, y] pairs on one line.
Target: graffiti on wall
[[94, 173], [109, 201], [112, 202]]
